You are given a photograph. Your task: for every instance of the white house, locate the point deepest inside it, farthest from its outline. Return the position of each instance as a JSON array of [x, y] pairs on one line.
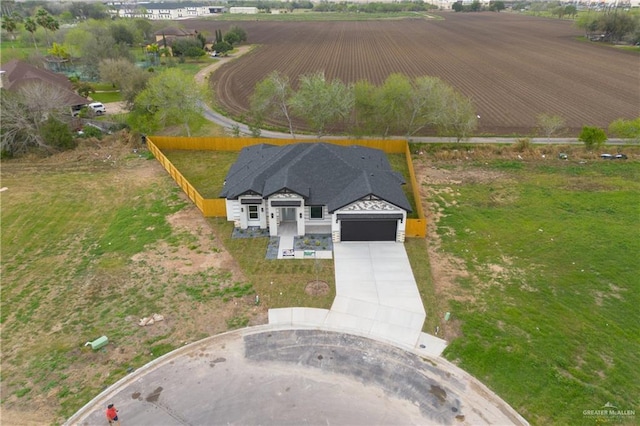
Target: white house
[[348, 191]]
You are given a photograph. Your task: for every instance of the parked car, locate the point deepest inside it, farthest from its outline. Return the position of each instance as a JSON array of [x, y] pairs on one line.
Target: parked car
[[97, 107], [613, 157]]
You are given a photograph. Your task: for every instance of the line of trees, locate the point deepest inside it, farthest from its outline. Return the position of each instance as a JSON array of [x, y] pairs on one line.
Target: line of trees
[[324, 6], [374, 7], [41, 19], [476, 6], [400, 106], [613, 26]]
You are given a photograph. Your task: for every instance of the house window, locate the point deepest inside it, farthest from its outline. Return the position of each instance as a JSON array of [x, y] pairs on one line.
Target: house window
[[253, 212], [316, 212]]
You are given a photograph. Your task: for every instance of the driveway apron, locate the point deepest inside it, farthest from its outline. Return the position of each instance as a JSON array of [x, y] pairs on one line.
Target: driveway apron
[[376, 292]]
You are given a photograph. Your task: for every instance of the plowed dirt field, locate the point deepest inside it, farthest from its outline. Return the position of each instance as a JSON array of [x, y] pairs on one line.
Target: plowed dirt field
[[513, 67]]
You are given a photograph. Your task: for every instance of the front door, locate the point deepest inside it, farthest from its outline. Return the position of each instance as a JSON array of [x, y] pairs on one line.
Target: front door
[[288, 214], [253, 215]]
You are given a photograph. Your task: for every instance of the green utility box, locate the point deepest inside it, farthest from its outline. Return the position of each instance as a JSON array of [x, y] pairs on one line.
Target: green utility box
[[100, 342]]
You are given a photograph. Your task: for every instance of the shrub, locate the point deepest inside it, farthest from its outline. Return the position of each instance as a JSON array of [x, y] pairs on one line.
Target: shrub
[[628, 129], [91, 132], [593, 137], [57, 134], [522, 144]]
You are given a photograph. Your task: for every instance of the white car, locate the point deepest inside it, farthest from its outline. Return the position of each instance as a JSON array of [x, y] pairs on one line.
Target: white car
[[97, 107]]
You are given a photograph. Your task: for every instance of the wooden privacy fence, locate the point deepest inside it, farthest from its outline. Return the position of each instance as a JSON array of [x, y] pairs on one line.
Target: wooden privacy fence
[[210, 207], [216, 207]]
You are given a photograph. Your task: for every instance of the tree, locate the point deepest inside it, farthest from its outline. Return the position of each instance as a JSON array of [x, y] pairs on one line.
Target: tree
[[457, 6], [320, 102], [615, 26], [144, 28], [24, 116], [231, 38], [593, 137], [570, 10], [84, 89], [187, 47], [496, 6], [366, 115], [588, 22], [222, 47], [92, 10], [122, 34], [170, 97], [31, 26], [393, 102], [270, 99], [46, 21], [66, 17], [57, 134], [9, 25], [476, 6], [241, 34], [93, 42], [549, 124], [426, 106], [194, 52], [458, 117], [628, 129], [612, 26], [124, 75], [202, 40], [59, 51]]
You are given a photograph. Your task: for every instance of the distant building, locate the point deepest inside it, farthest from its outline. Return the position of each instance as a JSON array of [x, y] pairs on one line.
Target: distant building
[[244, 10], [163, 11], [172, 33]]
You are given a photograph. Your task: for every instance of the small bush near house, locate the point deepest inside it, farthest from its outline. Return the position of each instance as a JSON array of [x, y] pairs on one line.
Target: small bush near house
[[57, 134], [91, 132]]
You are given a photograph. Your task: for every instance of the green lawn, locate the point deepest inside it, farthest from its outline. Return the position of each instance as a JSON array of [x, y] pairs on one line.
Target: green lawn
[[549, 315], [15, 50], [279, 284], [106, 97], [70, 235], [205, 170]]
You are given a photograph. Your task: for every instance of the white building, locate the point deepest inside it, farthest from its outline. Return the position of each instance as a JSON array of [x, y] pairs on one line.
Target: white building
[[244, 10], [163, 11]]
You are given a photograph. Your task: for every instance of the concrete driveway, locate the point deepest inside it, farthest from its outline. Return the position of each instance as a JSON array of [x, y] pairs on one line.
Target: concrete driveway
[[376, 292], [376, 296]]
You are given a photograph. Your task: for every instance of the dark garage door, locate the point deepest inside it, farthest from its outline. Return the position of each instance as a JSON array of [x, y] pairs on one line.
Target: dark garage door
[[368, 230]]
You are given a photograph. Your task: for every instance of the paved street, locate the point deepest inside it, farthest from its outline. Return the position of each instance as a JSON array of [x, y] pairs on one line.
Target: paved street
[[273, 376]]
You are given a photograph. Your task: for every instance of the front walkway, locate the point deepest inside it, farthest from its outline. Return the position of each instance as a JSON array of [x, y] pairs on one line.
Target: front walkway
[[376, 296], [286, 246]]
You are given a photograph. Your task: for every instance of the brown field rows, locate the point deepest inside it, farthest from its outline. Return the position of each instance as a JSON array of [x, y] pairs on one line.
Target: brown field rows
[[513, 67]]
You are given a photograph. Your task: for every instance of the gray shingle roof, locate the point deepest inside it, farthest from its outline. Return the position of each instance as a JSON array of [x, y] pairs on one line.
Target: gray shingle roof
[[322, 173]]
